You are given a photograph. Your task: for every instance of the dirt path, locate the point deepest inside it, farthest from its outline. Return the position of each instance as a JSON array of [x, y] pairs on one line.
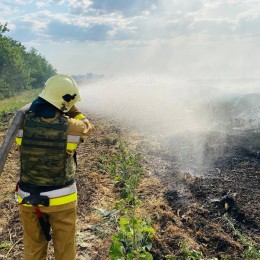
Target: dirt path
[[182, 206]]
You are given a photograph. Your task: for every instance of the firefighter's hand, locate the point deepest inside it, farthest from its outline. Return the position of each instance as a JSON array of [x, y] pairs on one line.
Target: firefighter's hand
[[88, 124]]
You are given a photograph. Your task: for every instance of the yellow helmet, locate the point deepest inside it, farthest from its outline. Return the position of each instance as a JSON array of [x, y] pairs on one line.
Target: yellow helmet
[[61, 91]]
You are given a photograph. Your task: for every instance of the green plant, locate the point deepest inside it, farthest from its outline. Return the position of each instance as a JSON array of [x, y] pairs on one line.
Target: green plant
[[10, 105], [133, 240], [251, 252], [14, 103], [190, 254], [134, 237], [126, 166], [5, 244], [109, 221], [20, 69]]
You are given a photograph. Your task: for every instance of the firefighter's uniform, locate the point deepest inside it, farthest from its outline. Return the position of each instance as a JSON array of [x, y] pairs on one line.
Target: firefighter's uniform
[[46, 191]]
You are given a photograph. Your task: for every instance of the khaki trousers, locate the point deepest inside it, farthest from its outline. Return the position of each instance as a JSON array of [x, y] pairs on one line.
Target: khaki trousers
[[63, 225]]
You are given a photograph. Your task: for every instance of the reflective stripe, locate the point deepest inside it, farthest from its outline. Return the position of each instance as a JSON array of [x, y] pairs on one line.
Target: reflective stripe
[[53, 193], [19, 133], [71, 146], [79, 117], [72, 140], [56, 201], [18, 140]]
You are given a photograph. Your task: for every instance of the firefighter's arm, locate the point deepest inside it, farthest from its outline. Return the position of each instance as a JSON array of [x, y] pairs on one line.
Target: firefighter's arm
[[75, 113], [77, 127]]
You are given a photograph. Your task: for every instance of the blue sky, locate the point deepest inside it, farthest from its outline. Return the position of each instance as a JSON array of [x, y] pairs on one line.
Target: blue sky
[[183, 38]]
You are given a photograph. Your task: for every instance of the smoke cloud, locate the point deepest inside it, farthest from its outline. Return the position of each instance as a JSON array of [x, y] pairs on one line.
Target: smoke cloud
[[185, 116], [160, 104]]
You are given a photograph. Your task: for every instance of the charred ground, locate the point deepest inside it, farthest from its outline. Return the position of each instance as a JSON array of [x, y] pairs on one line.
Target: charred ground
[[206, 196]]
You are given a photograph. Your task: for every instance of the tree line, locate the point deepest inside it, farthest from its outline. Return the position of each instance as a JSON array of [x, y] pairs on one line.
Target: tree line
[[20, 69]]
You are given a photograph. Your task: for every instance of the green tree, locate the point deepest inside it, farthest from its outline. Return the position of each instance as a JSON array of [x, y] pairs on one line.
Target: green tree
[[19, 69], [40, 68], [14, 75], [3, 28]]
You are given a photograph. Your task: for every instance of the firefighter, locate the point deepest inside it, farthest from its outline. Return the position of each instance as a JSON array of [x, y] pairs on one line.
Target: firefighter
[[46, 191]]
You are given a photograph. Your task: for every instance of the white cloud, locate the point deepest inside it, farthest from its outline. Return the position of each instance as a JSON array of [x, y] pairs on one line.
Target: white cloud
[[41, 4], [60, 2], [171, 35], [7, 10], [71, 25], [148, 20], [79, 6], [22, 2], [38, 21], [250, 14]]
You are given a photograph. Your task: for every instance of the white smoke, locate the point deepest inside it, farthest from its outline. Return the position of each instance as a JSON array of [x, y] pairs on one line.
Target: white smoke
[[192, 119], [163, 105]]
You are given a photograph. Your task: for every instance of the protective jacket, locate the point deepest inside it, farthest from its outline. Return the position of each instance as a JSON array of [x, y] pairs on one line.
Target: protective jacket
[[47, 163], [43, 151], [44, 160]]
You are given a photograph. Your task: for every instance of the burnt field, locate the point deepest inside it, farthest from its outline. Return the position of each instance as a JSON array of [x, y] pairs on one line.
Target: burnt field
[[212, 185]]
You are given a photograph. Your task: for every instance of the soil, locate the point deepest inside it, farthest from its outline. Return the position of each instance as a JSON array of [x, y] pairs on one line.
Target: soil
[[190, 196], [211, 197]]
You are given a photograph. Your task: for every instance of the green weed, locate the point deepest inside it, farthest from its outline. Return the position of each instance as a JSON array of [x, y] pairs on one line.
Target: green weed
[[9, 106], [190, 254], [251, 252], [14, 103], [105, 228], [5, 245], [134, 237]]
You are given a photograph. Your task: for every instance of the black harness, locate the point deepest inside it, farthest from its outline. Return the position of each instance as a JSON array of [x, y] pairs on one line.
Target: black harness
[[35, 200]]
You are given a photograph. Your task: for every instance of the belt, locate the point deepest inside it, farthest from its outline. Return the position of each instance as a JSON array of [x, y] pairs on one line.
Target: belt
[[55, 201], [53, 193], [57, 197], [34, 188]]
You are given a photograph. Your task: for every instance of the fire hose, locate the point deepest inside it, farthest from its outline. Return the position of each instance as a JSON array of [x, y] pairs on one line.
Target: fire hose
[[10, 135]]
